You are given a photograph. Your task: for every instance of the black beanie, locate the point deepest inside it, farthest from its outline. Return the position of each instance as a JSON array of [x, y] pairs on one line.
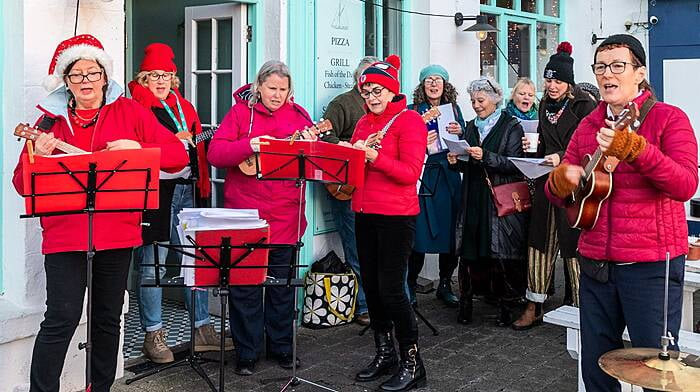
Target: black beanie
[[561, 64], [628, 41]]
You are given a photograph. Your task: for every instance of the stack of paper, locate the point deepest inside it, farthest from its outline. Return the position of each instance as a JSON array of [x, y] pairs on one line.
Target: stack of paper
[[206, 227]]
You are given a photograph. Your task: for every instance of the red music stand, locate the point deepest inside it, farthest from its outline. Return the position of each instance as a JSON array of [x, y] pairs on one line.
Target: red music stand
[[105, 181], [217, 259]]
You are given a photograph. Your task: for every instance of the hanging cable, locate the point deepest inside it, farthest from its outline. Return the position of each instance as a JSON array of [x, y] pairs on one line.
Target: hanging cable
[[75, 27], [406, 11]]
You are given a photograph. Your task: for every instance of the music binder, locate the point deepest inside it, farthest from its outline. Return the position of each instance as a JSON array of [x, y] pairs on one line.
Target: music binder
[[253, 267]]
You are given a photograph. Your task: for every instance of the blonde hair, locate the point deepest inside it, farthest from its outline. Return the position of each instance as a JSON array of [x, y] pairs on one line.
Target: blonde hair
[[522, 82], [142, 79]]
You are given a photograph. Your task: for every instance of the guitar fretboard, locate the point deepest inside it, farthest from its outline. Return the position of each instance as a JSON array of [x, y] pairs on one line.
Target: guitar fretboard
[[205, 135], [69, 149]]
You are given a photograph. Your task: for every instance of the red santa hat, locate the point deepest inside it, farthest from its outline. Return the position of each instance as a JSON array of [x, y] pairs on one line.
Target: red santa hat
[[158, 56], [384, 73], [80, 47]]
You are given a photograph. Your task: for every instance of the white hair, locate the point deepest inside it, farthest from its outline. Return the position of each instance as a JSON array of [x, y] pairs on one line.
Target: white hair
[[489, 87]]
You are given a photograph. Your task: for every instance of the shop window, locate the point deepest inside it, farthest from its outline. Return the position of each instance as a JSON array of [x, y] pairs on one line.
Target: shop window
[[551, 8], [547, 41], [389, 20], [528, 5], [504, 4], [489, 56], [518, 51]]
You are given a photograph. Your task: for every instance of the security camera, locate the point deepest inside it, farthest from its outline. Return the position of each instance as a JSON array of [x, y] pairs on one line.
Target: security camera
[[653, 20]]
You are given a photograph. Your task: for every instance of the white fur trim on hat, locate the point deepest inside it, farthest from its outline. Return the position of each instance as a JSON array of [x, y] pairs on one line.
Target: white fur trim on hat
[[77, 52]]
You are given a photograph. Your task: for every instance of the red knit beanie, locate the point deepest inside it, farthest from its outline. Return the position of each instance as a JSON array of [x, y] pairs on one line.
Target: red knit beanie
[[385, 73], [158, 56]]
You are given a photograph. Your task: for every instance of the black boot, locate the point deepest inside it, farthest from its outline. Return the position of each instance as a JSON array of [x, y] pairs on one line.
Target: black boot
[[444, 292], [465, 311], [411, 372], [383, 361], [504, 317]]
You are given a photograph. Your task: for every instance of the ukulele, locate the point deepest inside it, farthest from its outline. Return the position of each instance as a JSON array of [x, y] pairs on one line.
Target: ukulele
[[198, 138], [321, 129], [25, 131], [583, 206], [344, 191]]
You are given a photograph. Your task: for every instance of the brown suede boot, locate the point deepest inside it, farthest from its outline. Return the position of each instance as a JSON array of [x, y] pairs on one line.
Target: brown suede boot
[[207, 339], [530, 318], [155, 348]]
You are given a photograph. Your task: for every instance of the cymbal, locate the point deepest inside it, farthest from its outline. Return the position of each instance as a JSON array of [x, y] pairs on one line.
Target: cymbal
[[642, 367]]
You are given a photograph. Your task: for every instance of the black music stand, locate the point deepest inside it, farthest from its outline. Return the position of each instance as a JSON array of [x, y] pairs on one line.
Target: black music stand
[[224, 265], [340, 176], [57, 186]]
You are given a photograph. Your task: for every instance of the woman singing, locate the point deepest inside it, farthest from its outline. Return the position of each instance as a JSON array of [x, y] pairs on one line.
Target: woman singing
[[386, 206]]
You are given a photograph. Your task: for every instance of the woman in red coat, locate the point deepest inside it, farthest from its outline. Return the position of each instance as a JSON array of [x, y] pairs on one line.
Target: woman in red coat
[[156, 88], [622, 258], [386, 206], [87, 110]]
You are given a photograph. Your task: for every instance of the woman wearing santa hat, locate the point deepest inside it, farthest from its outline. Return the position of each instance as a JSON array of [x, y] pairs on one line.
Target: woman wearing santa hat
[[386, 206], [86, 109], [156, 88]]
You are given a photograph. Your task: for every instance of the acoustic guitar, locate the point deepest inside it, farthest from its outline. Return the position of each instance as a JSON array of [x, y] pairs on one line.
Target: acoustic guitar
[[26, 131], [596, 185], [321, 129], [344, 191]]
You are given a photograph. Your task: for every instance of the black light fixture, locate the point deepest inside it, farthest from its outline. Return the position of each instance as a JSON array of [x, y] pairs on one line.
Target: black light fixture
[[595, 39], [481, 27]]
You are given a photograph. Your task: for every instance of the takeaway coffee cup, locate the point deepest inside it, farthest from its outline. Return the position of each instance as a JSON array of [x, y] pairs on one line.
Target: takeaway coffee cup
[[532, 138]]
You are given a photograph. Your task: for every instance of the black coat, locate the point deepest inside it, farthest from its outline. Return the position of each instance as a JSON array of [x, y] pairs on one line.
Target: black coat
[[554, 138], [481, 234]]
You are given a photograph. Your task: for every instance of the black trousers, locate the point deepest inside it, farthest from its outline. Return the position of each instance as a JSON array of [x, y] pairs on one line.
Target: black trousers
[[66, 280], [504, 279], [249, 320], [447, 263], [384, 245]]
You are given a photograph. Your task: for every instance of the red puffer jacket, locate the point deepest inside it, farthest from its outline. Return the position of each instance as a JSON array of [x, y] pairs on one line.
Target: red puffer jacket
[[120, 118], [390, 181], [644, 217], [276, 201]]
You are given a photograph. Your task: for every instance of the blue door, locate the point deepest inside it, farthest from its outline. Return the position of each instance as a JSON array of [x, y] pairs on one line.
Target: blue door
[[676, 35]]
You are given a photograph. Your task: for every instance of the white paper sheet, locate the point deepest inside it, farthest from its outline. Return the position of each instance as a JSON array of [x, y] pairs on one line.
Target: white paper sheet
[[532, 167], [447, 115]]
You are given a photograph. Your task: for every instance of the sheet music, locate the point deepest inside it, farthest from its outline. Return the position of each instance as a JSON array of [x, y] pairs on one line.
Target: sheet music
[[447, 115], [532, 167]]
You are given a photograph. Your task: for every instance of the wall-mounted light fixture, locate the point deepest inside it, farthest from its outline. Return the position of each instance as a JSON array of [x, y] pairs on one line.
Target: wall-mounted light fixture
[[481, 27], [595, 39]]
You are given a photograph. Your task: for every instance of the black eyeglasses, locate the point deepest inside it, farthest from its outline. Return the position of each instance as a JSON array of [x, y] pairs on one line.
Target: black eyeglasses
[[492, 88], [435, 81], [616, 67], [377, 91], [154, 76], [79, 78]]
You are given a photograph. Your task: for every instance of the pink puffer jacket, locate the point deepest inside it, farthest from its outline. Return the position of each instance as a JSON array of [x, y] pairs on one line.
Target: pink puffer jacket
[[276, 201], [644, 217]]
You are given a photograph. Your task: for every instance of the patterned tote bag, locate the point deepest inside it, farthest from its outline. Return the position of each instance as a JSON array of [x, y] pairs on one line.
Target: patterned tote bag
[[331, 290]]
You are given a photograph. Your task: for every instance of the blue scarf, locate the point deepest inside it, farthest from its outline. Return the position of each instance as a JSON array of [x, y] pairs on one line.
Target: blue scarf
[[484, 126], [530, 115]]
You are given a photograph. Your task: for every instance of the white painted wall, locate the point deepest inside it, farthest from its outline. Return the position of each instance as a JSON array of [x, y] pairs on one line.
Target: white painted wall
[[33, 29], [604, 18]]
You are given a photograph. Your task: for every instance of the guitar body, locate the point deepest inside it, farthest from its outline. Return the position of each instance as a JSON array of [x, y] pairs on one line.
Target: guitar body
[[340, 192], [583, 206]]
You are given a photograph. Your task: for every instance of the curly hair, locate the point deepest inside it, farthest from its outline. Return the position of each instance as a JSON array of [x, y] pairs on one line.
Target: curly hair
[[449, 94]]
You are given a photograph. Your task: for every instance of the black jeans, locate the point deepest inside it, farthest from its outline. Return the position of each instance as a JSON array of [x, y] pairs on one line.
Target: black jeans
[[66, 280], [447, 263], [384, 245], [248, 318]]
